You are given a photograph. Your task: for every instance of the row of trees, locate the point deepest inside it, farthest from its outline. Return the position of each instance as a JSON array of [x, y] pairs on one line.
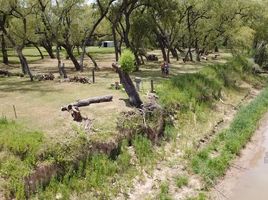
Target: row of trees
[[177, 27]]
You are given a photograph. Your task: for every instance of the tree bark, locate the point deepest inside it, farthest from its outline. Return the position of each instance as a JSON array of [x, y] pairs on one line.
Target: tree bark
[[24, 63], [48, 47], [174, 53], [58, 58], [130, 89], [96, 67], [115, 44], [69, 51], [216, 48], [40, 52], [137, 60], [87, 102], [4, 50], [164, 54]]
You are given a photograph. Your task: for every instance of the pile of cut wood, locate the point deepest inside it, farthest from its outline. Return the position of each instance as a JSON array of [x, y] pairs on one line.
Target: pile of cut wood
[[80, 79], [45, 77]]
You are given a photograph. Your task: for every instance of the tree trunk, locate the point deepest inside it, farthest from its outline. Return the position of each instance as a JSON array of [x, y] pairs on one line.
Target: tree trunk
[[115, 45], [24, 63], [82, 55], [58, 58], [4, 50], [138, 62], [40, 52], [130, 89], [69, 51], [96, 67], [48, 48], [164, 54], [189, 53], [174, 53], [216, 49], [168, 56]]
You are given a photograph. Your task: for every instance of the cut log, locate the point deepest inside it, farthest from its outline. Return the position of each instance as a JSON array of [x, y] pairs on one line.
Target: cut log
[[87, 102], [130, 89]]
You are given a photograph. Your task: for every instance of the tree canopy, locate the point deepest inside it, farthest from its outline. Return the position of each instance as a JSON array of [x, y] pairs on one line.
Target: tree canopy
[[176, 27]]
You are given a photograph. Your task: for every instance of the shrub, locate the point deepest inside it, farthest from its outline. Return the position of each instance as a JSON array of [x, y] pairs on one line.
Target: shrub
[[127, 61]]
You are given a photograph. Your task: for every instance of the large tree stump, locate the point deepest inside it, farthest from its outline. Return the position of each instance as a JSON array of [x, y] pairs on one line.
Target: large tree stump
[[130, 89]]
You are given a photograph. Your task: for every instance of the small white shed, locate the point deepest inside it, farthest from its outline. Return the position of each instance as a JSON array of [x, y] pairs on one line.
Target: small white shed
[[107, 44]]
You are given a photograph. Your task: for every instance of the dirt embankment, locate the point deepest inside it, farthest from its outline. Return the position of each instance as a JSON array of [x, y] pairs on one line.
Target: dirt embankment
[[175, 164]]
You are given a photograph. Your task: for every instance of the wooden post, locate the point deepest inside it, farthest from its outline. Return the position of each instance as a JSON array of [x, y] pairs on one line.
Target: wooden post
[[14, 108], [93, 76], [152, 86]]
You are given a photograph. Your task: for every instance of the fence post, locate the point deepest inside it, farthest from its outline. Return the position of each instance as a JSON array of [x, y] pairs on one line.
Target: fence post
[[152, 86], [14, 108], [93, 76]]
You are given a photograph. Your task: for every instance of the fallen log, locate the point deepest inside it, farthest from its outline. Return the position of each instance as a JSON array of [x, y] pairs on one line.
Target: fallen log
[[87, 102]]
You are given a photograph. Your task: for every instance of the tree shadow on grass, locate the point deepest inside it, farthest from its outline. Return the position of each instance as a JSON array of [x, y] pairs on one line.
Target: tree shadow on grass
[[24, 86]]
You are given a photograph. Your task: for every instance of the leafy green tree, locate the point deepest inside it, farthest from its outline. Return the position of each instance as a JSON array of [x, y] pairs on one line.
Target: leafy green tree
[[127, 61]]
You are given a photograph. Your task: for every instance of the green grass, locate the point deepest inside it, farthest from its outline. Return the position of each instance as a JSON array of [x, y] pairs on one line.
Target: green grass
[[190, 91], [164, 192], [19, 141], [94, 174], [213, 161], [30, 53], [18, 149], [181, 181], [143, 148]]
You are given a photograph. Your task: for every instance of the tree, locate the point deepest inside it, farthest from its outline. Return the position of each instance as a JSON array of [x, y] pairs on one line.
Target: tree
[[14, 18]]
